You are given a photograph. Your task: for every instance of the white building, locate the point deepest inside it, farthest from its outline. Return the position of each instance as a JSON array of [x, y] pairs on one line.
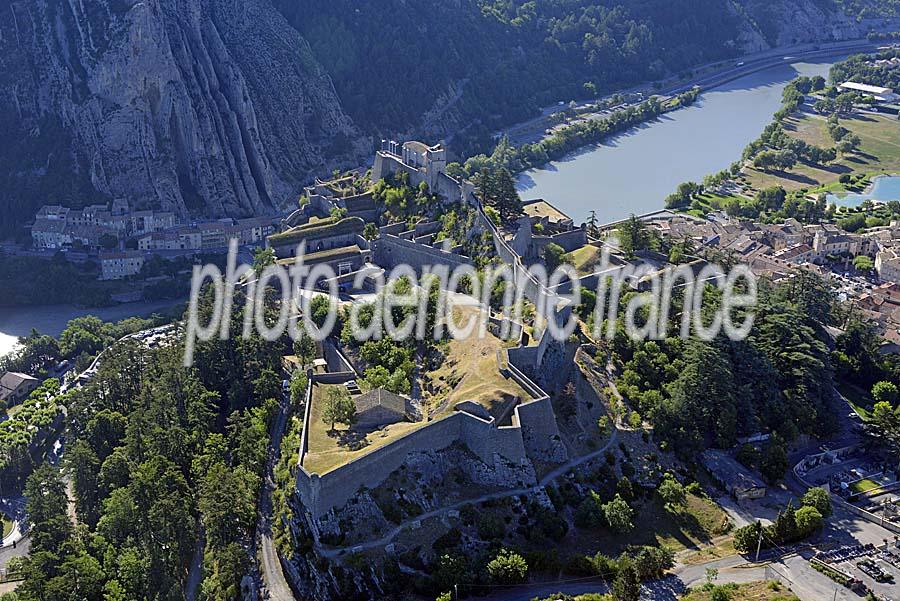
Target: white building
[[879, 93], [887, 264], [50, 233]]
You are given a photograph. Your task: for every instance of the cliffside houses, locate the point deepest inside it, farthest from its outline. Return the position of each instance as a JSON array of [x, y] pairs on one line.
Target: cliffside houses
[[209, 235], [110, 225], [57, 227]]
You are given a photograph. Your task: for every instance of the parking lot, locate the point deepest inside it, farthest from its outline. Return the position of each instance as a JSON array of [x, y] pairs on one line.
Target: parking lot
[[877, 567]]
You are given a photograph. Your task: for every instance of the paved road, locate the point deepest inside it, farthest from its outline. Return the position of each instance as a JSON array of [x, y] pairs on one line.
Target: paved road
[[727, 71], [550, 477], [272, 572], [731, 569]]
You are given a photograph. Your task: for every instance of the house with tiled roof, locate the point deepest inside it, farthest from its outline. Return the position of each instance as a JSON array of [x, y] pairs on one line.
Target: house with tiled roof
[[378, 408], [16, 386]]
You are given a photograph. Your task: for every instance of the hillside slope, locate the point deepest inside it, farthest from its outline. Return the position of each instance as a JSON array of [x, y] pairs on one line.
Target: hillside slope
[[226, 107]]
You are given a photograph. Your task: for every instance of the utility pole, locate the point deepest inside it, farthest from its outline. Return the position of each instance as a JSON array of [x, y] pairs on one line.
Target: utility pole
[[456, 593], [758, 544]]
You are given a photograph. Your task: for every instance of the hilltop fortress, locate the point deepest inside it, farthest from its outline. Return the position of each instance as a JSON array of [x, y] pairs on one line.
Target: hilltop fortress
[[525, 433]]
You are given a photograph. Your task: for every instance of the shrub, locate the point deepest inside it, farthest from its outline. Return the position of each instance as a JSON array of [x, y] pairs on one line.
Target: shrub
[[508, 568], [491, 527], [590, 511], [618, 515]]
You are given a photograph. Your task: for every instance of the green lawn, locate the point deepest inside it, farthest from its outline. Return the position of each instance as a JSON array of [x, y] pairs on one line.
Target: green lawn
[[864, 485], [878, 153], [7, 526], [858, 399], [584, 259]]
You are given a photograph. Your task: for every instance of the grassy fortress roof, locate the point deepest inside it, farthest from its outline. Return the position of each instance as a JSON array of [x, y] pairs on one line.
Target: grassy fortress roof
[[322, 228]]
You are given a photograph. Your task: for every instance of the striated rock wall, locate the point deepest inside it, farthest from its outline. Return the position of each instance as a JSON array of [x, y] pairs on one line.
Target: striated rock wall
[[221, 107], [797, 21], [213, 107]]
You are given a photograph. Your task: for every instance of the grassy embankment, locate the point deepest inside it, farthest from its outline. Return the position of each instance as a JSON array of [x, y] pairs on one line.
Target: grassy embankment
[[7, 526], [751, 591], [879, 153], [859, 400]]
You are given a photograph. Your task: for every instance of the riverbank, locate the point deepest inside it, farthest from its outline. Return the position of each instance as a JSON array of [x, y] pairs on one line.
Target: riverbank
[[882, 188], [635, 171], [16, 322]]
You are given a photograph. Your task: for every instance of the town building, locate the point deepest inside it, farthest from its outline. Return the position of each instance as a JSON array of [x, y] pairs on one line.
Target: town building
[[887, 263], [119, 265], [50, 233], [58, 227], [15, 387], [732, 476], [879, 93]]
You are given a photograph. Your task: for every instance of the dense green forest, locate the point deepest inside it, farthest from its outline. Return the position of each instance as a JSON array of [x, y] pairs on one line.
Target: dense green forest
[[155, 452], [780, 379], [391, 61]]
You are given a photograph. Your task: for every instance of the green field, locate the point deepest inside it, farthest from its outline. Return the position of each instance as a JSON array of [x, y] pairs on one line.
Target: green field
[[7, 526], [864, 485], [584, 259], [879, 153]]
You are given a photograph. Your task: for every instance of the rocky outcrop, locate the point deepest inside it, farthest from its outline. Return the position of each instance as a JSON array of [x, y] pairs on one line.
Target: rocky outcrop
[[796, 22], [213, 107], [221, 107]]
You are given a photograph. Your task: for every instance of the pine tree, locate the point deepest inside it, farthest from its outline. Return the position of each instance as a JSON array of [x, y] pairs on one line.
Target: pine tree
[[627, 585]]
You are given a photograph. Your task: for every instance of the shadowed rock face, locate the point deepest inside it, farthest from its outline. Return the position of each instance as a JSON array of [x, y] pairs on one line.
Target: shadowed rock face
[[222, 107], [197, 106]]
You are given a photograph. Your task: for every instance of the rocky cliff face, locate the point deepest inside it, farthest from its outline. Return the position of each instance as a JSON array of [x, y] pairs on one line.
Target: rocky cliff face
[[221, 107], [197, 106], [789, 22]]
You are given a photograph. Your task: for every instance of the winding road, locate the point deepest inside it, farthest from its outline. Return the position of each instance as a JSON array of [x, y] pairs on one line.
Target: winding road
[[272, 572]]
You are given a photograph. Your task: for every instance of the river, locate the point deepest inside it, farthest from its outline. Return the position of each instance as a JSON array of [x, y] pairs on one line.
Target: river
[[883, 188], [52, 319], [631, 173], [634, 172]]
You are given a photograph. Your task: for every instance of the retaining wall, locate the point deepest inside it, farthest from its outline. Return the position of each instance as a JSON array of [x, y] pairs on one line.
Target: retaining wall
[[392, 250], [534, 435], [870, 517]]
